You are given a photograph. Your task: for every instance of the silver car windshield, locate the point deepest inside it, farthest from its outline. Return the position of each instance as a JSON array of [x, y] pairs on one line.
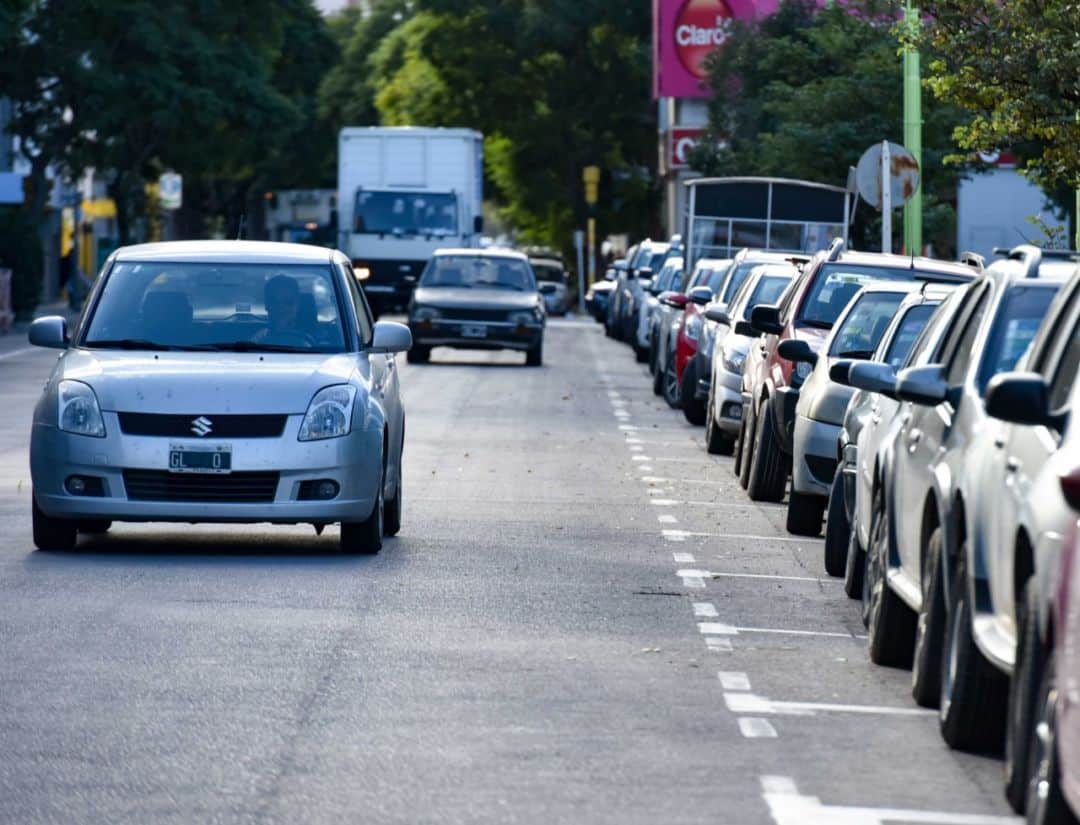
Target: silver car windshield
[[214, 306], [480, 272], [865, 325]]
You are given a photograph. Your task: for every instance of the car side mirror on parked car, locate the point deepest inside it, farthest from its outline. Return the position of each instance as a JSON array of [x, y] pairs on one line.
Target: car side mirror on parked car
[[50, 331], [644, 273], [871, 376], [922, 385], [1019, 398], [744, 328], [1070, 487], [796, 351], [718, 314], [765, 318], [700, 295], [390, 337], [839, 369], [673, 299]]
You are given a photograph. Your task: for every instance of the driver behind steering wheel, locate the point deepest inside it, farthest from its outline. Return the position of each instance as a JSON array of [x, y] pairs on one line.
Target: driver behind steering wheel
[[282, 295]]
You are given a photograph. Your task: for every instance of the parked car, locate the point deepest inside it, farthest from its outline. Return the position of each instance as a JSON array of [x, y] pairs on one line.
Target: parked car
[[599, 293], [220, 381], [731, 339], [668, 281], [553, 281], [921, 533], [646, 261], [477, 299], [623, 273], [771, 391], [868, 413], [645, 303], [671, 304], [819, 413]]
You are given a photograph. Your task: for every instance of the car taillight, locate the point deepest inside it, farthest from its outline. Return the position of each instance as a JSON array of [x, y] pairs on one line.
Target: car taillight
[[1070, 487]]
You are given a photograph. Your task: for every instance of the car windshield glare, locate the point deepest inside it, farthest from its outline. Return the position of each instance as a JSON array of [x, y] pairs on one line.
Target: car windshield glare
[[217, 306], [864, 326], [479, 272], [837, 284]]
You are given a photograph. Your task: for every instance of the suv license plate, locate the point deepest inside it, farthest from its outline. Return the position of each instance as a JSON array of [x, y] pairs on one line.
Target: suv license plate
[[474, 331], [200, 460]]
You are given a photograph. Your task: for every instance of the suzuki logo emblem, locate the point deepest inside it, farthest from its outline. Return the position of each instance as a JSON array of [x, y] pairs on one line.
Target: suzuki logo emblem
[[202, 426]]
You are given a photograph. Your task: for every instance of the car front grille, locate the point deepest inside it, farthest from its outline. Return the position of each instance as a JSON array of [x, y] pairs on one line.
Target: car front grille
[[160, 485], [465, 314], [208, 426]]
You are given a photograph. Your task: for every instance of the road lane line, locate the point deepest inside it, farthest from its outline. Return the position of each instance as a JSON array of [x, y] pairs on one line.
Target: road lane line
[[641, 458], [719, 644], [667, 518], [731, 680], [752, 703], [682, 535], [636, 448], [684, 558], [694, 582], [755, 728], [717, 629], [713, 575], [705, 610]]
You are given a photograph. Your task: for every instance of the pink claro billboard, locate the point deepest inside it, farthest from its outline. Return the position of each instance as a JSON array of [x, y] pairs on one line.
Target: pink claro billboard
[[685, 32]]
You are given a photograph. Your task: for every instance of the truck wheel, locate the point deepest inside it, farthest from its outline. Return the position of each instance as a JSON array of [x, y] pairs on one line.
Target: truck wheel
[[418, 354], [52, 533], [804, 514], [837, 528], [768, 467]]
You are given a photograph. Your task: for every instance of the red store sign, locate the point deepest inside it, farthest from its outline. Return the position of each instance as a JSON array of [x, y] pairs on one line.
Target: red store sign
[[680, 141]]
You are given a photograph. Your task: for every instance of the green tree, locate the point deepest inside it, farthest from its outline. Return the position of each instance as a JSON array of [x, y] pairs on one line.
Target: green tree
[[804, 92], [1015, 67]]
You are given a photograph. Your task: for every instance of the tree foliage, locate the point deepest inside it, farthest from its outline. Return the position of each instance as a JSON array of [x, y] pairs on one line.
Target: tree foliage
[[1016, 67], [804, 93]]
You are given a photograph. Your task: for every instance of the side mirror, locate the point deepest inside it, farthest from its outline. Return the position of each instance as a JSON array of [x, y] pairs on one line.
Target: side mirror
[[1070, 487], [1019, 398], [700, 295], [718, 314], [50, 331], [922, 385], [478, 224], [390, 337], [644, 272], [745, 329], [547, 288], [675, 300], [796, 351], [838, 371], [872, 376], [765, 318]]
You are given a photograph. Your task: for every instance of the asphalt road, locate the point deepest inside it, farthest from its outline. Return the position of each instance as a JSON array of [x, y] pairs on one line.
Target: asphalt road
[[526, 651]]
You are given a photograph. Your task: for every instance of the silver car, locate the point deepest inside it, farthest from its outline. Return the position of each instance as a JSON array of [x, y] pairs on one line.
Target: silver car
[[221, 381]]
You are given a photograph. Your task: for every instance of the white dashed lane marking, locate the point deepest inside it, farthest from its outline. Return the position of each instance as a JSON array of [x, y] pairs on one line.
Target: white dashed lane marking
[[752, 703], [684, 558], [719, 644], [705, 610], [754, 728], [725, 629], [667, 518], [683, 535], [733, 681]]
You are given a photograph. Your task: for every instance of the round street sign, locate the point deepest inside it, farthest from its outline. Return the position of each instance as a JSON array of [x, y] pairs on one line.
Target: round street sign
[[903, 175], [170, 190]]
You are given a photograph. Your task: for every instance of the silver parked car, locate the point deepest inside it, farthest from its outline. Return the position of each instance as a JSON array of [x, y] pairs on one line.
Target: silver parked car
[[221, 381]]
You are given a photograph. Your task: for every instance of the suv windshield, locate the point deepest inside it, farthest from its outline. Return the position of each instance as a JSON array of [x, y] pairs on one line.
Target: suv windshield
[[864, 325], [837, 283], [1016, 324], [216, 306], [405, 213], [479, 271]]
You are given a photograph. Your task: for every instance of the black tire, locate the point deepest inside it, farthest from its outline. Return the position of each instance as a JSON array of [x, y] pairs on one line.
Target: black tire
[[1046, 801], [418, 354], [534, 357], [392, 509], [95, 527], [653, 351], [746, 448], [52, 533], [837, 528], [670, 385], [854, 567], [974, 695], [608, 331], [658, 382], [804, 514], [716, 442], [641, 354], [693, 407], [930, 627], [1023, 695], [768, 466], [365, 537], [891, 622]]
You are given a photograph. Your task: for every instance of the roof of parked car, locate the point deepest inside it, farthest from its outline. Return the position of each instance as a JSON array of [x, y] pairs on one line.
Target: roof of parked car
[[226, 251], [488, 252], [890, 261]]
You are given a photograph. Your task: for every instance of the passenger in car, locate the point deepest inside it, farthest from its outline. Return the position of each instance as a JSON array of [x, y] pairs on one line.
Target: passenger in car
[[282, 295]]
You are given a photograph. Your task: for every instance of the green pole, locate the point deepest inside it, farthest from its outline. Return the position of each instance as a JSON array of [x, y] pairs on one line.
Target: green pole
[[1076, 224], [913, 216]]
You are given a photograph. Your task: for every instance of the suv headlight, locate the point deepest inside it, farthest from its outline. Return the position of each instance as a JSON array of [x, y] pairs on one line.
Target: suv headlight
[[733, 361], [329, 415], [78, 411]]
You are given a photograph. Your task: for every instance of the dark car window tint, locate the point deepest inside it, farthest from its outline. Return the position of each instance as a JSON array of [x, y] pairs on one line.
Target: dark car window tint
[[862, 328], [365, 327], [1062, 384], [767, 290], [479, 272], [961, 347], [738, 274], [1021, 313], [907, 332]]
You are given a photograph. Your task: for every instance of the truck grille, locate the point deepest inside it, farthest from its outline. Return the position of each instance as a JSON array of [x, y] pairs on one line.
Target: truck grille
[[160, 485]]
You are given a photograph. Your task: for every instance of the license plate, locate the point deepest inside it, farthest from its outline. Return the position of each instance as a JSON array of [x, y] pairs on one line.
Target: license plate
[[474, 331], [217, 459]]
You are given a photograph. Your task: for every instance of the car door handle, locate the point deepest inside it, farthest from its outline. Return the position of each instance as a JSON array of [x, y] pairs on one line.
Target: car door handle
[[1012, 464], [914, 437], [999, 443]]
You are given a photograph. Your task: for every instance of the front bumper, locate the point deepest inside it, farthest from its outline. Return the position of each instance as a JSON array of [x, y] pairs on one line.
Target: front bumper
[[497, 334], [727, 396], [353, 461], [814, 461]]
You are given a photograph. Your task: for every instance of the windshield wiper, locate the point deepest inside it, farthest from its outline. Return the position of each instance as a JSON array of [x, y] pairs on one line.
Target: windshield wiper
[[254, 346], [133, 343]]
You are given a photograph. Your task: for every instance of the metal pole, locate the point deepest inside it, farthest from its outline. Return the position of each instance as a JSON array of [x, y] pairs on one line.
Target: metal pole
[[886, 199], [913, 211], [579, 243]]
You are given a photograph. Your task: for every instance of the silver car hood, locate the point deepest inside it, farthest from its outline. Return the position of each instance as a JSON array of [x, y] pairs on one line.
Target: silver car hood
[[196, 383]]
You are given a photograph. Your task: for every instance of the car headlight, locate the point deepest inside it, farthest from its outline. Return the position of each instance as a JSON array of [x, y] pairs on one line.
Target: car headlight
[[523, 318], [426, 314], [78, 411], [733, 361], [693, 327], [803, 370], [329, 415]]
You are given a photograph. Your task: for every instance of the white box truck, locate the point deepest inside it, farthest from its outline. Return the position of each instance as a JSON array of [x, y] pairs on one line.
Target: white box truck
[[404, 192]]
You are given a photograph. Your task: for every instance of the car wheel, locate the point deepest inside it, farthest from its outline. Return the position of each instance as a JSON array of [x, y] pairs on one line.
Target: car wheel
[[95, 527], [804, 514], [535, 356], [671, 384], [693, 407], [653, 349], [418, 354], [641, 354], [52, 533], [392, 510], [768, 468], [1023, 694], [1046, 801], [715, 441], [854, 566], [747, 431], [930, 627], [365, 537], [837, 528], [973, 694], [891, 623], [658, 381]]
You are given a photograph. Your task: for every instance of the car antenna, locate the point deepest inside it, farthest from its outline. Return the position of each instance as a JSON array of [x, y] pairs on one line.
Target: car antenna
[[240, 228]]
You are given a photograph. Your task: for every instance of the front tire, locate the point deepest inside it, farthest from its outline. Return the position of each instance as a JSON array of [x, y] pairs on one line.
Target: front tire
[[1023, 695], [641, 354], [95, 527], [693, 408], [891, 622], [535, 355], [768, 468], [716, 442], [837, 528], [52, 533], [365, 537], [930, 627], [670, 385], [1046, 801], [747, 431], [804, 514], [392, 510], [418, 354]]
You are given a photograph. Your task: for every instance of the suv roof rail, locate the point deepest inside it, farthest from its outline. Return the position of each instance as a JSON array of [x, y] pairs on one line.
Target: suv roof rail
[[835, 248], [972, 259]]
